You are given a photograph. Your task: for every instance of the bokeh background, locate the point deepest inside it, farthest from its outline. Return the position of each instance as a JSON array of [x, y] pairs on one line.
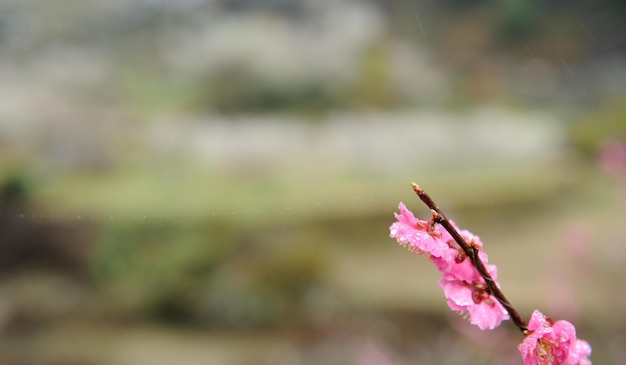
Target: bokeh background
[[212, 181]]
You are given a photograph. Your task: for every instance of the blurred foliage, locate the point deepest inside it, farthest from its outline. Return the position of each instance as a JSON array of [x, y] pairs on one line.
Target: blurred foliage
[[13, 189], [212, 273], [518, 18], [228, 91], [235, 89], [149, 92], [591, 131], [503, 29], [372, 88], [156, 267], [266, 284]]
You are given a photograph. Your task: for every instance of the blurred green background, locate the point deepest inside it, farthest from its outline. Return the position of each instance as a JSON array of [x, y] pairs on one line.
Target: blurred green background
[[212, 181]]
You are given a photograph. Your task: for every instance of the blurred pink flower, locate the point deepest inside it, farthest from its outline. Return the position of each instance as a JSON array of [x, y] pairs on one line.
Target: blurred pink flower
[[370, 354], [577, 238], [579, 355], [612, 158], [553, 343]]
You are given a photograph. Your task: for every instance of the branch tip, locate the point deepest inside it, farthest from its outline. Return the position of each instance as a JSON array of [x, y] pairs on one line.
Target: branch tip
[[418, 190]]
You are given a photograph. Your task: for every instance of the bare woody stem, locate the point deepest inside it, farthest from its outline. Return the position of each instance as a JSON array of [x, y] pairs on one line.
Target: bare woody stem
[[472, 253]]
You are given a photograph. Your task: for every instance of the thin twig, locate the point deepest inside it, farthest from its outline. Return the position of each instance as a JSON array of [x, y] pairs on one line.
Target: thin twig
[[472, 253]]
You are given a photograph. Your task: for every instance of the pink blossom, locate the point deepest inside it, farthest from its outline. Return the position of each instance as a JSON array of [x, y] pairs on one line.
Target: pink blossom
[[466, 291], [461, 267], [463, 286], [553, 343], [413, 232], [580, 354], [455, 261], [474, 299]]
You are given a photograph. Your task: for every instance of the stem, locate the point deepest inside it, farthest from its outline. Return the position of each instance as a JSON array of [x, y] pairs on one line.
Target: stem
[[472, 253]]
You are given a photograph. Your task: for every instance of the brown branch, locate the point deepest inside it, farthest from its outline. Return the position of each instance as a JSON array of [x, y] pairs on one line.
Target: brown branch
[[472, 253]]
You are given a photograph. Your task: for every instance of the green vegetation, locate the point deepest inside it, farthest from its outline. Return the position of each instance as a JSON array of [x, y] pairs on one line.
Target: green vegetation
[[590, 132]]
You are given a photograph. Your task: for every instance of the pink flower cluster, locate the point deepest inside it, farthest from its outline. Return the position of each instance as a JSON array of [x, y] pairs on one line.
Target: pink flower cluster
[[551, 343], [462, 284]]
